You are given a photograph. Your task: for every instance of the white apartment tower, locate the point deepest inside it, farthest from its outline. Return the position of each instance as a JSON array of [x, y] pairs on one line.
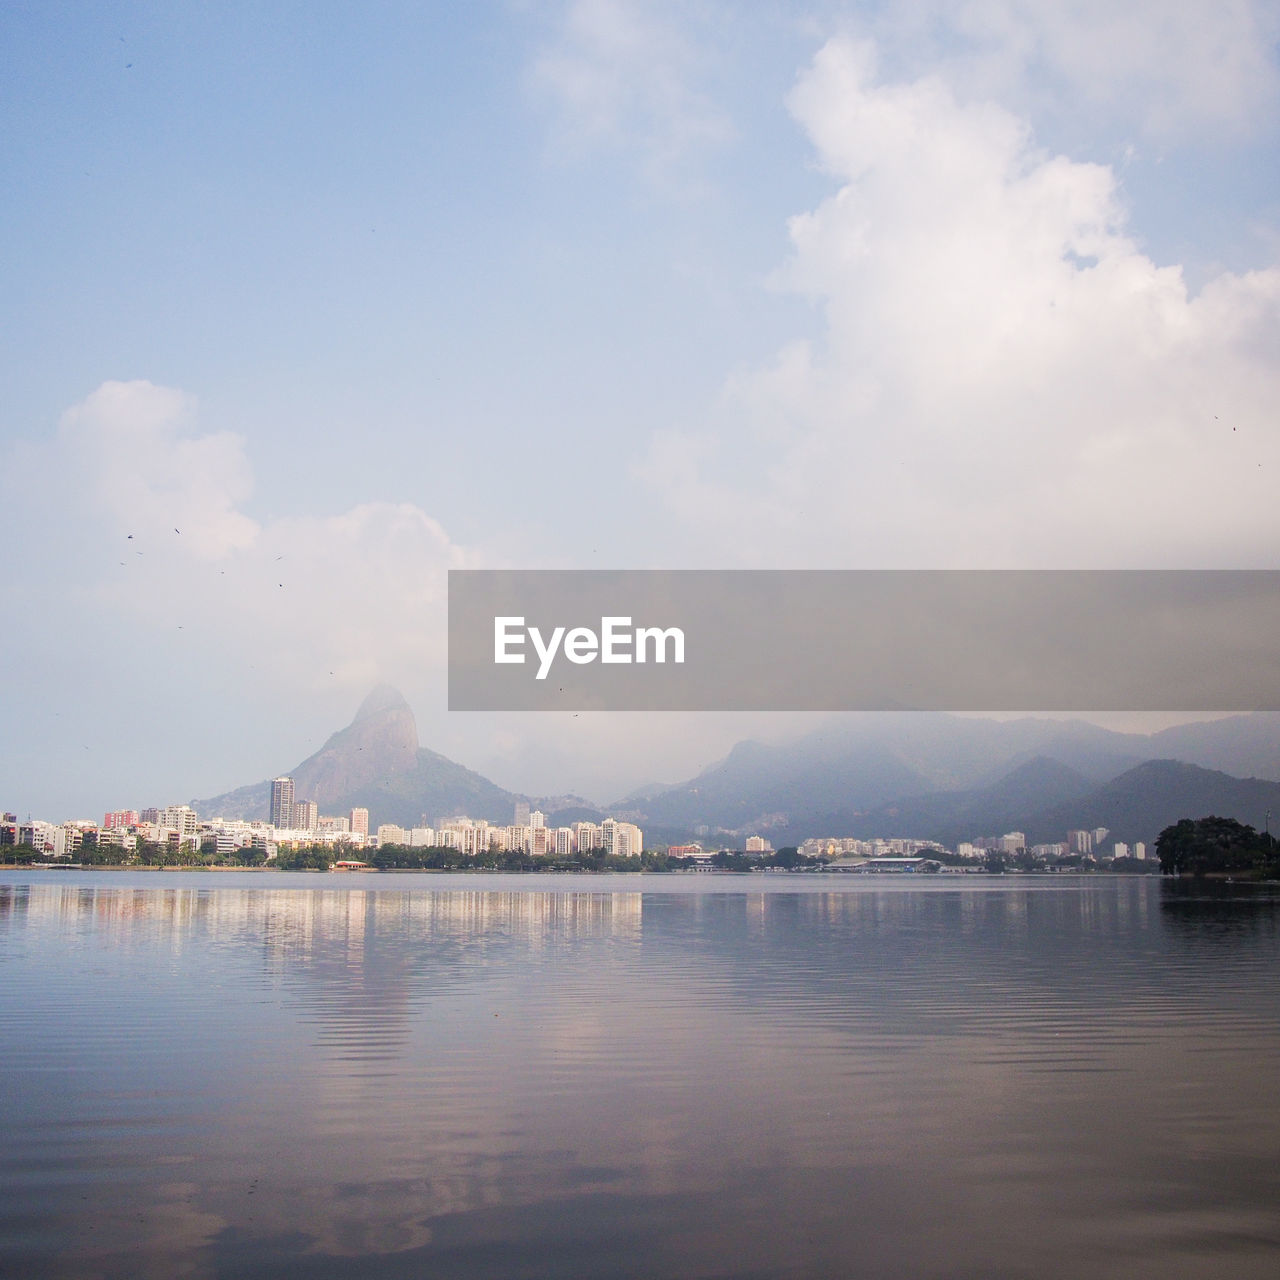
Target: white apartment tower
[[622, 838], [282, 803]]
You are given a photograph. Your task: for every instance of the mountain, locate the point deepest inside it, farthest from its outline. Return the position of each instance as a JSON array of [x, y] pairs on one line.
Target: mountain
[[863, 763], [1045, 800], [920, 774], [924, 774], [1247, 746], [1140, 803], [377, 763], [952, 816], [763, 786]]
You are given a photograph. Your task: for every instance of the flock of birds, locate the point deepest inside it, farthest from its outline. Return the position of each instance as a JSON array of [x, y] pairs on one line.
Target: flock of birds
[[222, 572]]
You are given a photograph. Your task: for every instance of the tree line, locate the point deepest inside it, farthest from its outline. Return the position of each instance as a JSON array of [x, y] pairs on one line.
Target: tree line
[[1217, 846], [399, 857]]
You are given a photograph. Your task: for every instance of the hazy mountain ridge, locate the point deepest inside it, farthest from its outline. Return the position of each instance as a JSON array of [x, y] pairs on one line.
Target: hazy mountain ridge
[[376, 763], [928, 775], [1137, 805], [1140, 803], [951, 778]]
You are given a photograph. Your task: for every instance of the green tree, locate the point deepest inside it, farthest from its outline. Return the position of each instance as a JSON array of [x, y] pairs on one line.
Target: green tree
[[308, 858], [788, 858], [1213, 845]]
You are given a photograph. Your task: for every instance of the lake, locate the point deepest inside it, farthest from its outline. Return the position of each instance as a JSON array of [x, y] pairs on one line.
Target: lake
[[253, 1075]]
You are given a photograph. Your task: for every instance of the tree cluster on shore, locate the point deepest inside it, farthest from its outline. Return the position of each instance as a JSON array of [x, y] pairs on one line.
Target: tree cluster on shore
[[405, 858], [397, 857], [149, 853], [1215, 846], [1195, 847]]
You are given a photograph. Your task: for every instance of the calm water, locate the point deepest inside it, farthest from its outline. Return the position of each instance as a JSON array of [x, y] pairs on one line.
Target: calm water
[[321, 1076]]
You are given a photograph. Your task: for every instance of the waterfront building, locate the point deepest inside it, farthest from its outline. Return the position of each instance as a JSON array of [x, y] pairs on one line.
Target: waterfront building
[[282, 802], [620, 838], [180, 818], [306, 815]]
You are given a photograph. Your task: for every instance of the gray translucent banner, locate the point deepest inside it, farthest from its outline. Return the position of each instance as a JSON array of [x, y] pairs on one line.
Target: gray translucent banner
[[832, 640]]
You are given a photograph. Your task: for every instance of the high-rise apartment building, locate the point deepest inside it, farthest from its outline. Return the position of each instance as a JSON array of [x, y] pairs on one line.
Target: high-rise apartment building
[[360, 822], [306, 815], [282, 803], [180, 818], [621, 838]]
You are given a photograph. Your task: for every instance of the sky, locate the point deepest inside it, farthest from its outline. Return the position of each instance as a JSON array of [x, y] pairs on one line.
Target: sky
[[304, 305]]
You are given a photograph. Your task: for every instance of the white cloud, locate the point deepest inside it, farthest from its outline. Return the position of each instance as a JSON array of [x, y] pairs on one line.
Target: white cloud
[[1165, 68], [1003, 377], [626, 74], [351, 598], [137, 453]]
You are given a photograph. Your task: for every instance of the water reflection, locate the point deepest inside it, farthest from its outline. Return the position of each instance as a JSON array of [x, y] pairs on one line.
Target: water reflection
[[999, 1080]]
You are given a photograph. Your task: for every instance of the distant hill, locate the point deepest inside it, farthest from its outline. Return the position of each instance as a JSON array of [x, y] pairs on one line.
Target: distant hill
[[1139, 804], [377, 763], [864, 763], [922, 774], [952, 816], [930, 774], [1045, 800], [1247, 746]]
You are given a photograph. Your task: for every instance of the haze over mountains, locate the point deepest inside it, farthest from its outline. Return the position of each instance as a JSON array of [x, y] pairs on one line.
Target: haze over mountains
[[921, 774]]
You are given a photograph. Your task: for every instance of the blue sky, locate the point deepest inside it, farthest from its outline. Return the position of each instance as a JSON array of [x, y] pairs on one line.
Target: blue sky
[[351, 294]]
